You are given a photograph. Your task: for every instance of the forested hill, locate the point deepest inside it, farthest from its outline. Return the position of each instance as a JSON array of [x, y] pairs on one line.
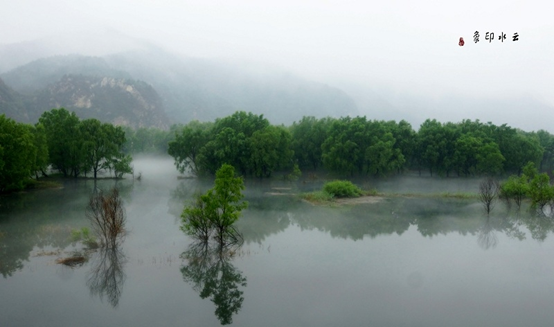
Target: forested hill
[[188, 88]]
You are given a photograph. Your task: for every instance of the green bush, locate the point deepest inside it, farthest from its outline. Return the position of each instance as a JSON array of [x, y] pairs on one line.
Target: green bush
[[342, 189], [85, 236]]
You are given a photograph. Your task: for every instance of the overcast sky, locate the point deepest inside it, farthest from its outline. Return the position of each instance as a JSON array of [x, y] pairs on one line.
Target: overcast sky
[[404, 46]]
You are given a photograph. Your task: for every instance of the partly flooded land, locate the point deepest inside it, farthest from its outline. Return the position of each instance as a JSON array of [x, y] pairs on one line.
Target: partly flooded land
[[392, 261]]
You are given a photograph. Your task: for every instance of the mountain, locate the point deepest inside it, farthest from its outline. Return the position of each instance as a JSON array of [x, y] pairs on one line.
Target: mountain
[[39, 73], [206, 89], [11, 103], [98, 42], [191, 88], [116, 100]]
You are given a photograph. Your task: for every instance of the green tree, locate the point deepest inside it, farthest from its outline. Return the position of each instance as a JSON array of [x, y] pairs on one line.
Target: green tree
[[540, 191], [308, 136], [188, 143], [344, 148], [120, 164], [515, 188], [382, 157], [520, 149], [490, 160], [405, 143], [219, 208], [546, 140], [97, 145], [40, 163], [64, 140], [270, 150], [17, 154]]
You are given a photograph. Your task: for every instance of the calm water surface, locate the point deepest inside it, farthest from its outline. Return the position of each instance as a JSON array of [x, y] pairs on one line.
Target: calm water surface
[[399, 262]]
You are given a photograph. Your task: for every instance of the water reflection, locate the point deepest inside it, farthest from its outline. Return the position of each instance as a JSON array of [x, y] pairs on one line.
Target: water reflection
[[487, 238], [44, 219], [106, 277], [212, 275], [539, 225], [19, 238]]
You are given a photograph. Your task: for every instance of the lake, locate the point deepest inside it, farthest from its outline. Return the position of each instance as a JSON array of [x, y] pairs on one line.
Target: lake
[[403, 261]]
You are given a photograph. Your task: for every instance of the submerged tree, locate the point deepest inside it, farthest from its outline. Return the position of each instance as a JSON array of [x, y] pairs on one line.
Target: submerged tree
[[107, 215], [488, 191], [515, 188], [215, 212]]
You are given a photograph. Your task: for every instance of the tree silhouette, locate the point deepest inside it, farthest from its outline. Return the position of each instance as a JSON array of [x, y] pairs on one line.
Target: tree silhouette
[[106, 277]]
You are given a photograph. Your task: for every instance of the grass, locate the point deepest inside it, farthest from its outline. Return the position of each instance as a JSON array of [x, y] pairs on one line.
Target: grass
[[317, 197], [453, 195], [323, 197], [33, 184]]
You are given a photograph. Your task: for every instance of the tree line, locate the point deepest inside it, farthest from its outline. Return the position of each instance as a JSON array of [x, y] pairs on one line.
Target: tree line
[[59, 141], [358, 146]]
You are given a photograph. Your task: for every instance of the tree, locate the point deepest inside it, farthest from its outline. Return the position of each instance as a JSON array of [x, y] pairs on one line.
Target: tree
[[515, 188], [107, 216], [436, 146], [17, 154], [64, 140], [188, 143], [41, 145], [215, 212], [308, 136], [488, 191], [382, 157], [344, 148], [540, 191], [98, 146], [120, 164], [519, 150]]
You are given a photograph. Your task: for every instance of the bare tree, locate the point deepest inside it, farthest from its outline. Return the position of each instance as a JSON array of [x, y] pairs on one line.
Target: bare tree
[[107, 216], [488, 191]]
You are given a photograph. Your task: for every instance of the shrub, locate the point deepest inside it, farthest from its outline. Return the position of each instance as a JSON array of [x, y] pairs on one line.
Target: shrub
[[342, 189], [85, 236]]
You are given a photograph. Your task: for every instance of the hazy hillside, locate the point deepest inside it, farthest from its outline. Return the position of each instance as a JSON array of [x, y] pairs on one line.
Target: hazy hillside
[[11, 103], [206, 89], [39, 73], [116, 100], [189, 88]]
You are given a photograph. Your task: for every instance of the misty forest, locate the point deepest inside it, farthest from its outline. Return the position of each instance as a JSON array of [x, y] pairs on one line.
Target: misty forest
[[289, 165]]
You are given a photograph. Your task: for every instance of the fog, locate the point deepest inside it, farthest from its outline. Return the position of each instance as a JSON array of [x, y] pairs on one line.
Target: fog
[[396, 59]]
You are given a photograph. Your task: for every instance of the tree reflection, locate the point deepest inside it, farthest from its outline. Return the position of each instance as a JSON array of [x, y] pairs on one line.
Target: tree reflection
[[106, 277], [487, 236], [539, 225], [213, 276]]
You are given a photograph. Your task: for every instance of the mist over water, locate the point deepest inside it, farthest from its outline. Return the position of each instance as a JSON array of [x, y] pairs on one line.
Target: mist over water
[[400, 261]]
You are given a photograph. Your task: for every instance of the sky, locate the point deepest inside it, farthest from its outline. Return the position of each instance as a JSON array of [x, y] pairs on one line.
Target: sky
[[399, 46]]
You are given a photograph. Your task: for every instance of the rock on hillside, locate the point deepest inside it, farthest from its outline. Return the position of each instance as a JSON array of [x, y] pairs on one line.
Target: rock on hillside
[[117, 100]]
